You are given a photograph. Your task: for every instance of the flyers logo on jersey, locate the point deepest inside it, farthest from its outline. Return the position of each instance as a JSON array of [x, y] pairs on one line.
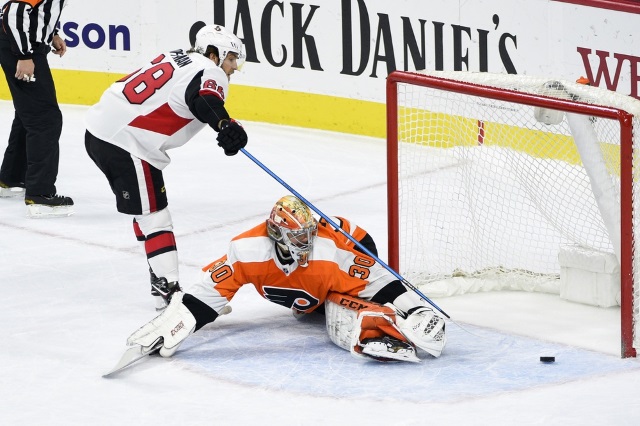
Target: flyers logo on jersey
[[290, 298]]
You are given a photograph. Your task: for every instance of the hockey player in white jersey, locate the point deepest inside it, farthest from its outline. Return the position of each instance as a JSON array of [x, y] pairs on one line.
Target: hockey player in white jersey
[[158, 107]]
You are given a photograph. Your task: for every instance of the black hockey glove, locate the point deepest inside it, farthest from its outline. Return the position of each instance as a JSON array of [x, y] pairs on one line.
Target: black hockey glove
[[231, 137]]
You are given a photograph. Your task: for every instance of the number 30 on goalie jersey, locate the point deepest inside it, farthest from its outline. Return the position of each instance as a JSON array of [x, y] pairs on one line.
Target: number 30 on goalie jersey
[[334, 266]]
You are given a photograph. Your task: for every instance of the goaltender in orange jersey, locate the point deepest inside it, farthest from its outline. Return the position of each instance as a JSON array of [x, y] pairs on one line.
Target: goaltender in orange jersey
[[307, 266]]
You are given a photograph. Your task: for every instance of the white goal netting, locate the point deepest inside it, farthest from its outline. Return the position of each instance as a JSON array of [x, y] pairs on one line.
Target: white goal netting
[[493, 179]]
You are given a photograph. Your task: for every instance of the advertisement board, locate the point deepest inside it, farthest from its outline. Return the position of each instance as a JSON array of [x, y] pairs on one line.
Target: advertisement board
[[323, 63]]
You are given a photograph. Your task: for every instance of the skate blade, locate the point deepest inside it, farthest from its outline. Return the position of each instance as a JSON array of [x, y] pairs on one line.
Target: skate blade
[[11, 192], [381, 354], [39, 211]]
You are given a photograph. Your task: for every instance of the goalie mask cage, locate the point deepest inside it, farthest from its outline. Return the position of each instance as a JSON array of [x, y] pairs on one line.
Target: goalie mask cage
[[489, 175]]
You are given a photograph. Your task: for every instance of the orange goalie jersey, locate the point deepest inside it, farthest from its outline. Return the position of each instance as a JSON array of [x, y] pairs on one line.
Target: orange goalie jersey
[[335, 265]]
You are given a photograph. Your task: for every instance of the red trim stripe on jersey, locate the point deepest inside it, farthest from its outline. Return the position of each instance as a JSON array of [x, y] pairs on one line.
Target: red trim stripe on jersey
[[162, 120], [159, 243], [151, 190], [205, 92]]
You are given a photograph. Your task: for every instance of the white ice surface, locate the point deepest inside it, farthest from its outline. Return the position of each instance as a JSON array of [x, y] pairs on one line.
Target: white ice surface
[[74, 288]]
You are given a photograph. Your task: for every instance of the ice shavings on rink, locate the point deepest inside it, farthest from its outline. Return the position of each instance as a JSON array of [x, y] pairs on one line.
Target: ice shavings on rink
[[284, 354]]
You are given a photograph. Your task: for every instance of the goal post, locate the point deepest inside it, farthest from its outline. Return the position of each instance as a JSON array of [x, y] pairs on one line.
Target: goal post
[[509, 182]]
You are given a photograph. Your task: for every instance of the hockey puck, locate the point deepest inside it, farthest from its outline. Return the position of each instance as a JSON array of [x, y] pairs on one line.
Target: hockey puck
[[547, 359]]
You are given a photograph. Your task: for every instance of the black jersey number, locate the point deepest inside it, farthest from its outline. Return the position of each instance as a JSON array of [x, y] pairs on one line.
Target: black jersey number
[[147, 82]]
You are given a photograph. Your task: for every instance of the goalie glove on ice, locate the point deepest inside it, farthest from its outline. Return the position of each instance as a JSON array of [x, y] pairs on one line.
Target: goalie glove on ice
[[231, 137], [425, 329], [184, 315]]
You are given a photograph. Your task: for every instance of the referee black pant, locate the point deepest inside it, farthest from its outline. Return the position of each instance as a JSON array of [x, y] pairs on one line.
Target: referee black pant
[[32, 155]]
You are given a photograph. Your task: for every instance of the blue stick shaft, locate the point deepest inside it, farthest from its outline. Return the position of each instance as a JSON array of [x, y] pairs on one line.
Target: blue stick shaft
[[346, 234]]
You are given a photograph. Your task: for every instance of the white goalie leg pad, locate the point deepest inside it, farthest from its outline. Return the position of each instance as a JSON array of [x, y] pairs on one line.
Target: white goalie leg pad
[[425, 329], [173, 326], [341, 323], [345, 316]]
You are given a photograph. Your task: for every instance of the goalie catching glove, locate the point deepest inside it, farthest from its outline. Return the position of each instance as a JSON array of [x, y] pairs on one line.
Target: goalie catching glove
[[231, 137], [184, 316], [425, 329]]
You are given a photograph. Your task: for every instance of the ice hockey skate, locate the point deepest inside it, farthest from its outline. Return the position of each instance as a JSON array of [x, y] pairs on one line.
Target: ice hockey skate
[[47, 206], [162, 290], [11, 190], [387, 348]]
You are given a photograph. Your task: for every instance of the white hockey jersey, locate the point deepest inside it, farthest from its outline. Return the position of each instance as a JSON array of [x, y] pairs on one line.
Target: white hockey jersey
[[146, 112]]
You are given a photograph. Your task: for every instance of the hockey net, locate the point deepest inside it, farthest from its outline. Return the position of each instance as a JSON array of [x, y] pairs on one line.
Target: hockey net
[[491, 175]]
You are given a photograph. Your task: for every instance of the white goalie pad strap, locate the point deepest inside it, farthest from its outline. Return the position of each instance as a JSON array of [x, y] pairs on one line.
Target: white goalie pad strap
[[173, 325]]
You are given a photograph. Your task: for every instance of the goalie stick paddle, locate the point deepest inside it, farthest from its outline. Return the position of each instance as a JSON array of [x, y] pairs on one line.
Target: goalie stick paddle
[[343, 232], [130, 356]]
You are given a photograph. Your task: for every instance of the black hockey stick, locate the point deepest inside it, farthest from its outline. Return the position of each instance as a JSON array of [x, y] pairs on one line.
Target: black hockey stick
[[346, 234]]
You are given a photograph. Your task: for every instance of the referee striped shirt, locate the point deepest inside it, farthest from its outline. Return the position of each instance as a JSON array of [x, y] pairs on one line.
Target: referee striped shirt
[[31, 24]]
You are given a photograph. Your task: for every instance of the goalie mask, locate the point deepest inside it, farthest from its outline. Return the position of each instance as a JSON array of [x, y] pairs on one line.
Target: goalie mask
[[292, 226], [222, 39]]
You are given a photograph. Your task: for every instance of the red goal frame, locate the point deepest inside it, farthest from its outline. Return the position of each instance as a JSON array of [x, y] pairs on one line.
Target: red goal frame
[[626, 176]]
